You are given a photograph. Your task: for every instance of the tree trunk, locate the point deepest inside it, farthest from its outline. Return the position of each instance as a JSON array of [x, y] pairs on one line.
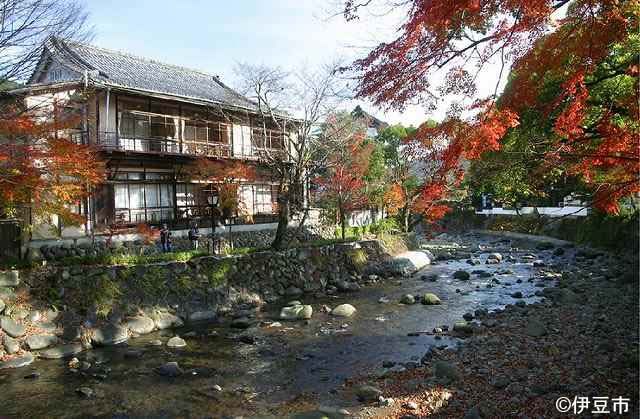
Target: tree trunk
[[343, 222], [406, 216], [283, 222]]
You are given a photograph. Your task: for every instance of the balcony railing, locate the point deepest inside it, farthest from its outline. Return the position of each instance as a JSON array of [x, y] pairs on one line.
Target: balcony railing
[[113, 141]]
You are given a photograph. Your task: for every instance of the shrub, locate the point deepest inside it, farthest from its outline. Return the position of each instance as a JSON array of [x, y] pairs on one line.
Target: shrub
[[358, 258]]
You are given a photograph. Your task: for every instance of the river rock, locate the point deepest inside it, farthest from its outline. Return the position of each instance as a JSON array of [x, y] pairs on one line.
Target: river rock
[[472, 413], [463, 327], [407, 299], [494, 256], [202, 316], [61, 351], [21, 361], [176, 342], [140, 325], [35, 342], [110, 335], [409, 262], [445, 372], [85, 392], [10, 345], [366, 393], [430, 299], [241, 323], [293, 291], [516, 294], [12, 328], [164, 320], [300, 312], [9, 278], [170, 369], [19, 313], [535, 328], [560, 295], [343, 310], [461, 275]]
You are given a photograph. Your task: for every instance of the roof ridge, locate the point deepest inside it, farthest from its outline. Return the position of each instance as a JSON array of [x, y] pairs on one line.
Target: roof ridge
[[139, 57]]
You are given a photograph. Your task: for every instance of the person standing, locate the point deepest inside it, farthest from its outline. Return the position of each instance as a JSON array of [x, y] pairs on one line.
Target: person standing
[[165, 238], [194, 235]]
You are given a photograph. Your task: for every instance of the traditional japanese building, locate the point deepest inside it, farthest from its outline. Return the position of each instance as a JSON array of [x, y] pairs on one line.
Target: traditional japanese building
[[151, 121]]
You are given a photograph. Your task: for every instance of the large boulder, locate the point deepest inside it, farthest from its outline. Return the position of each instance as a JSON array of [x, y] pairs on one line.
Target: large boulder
[[407, 263], [21, 361], [110, 335], [431, 299], [35, 342], [11, 328], [343, 310], [140, 325], [164, 320], [297, 312], [9, 278], [62, 351]]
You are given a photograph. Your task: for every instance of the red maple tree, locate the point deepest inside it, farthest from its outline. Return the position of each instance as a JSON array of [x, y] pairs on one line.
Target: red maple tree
[[41, 168], [342, 184], [227, 176], [571, 43]]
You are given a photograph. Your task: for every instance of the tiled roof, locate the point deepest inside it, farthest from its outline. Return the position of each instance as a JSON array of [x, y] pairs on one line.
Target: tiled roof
[[118, 69]]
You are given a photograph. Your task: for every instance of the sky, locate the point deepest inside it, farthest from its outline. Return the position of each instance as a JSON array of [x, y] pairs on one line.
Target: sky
[[212, 36]]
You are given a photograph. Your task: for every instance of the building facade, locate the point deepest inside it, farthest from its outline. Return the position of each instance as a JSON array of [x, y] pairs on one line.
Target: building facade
[[152, 122]]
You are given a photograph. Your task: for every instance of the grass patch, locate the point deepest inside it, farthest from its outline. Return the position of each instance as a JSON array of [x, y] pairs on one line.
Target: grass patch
[[218, 273], [129, 259], [245, 250]]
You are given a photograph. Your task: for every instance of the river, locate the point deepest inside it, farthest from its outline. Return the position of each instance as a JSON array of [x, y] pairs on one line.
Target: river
[[278, 369]]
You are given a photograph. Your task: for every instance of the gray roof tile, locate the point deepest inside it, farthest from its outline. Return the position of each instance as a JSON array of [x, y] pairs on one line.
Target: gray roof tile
[[118, 69]]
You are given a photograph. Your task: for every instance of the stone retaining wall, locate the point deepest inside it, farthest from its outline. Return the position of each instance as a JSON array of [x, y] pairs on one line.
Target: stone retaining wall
[[258, 238], [104, 305]]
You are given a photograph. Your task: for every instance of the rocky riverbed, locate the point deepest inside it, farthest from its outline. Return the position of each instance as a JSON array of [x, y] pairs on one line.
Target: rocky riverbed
[[512, 327]]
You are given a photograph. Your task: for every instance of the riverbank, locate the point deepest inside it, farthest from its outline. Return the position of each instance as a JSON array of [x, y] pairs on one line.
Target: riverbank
[[250, 362], [580, 341]]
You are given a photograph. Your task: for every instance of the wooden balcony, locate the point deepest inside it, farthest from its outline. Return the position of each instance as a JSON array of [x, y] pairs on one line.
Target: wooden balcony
[[161, 146]]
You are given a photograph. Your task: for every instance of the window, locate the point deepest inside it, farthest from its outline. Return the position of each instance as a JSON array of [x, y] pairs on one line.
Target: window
[[269, 138], [138, 202], [263, 199], [191, 200]]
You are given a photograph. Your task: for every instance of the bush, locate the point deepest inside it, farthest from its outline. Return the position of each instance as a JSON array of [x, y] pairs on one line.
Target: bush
[[617, 232], [358, 258]]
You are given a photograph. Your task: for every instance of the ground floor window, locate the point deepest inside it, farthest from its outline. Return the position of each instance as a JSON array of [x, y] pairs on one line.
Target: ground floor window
[[143, 202], [142, 199]]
